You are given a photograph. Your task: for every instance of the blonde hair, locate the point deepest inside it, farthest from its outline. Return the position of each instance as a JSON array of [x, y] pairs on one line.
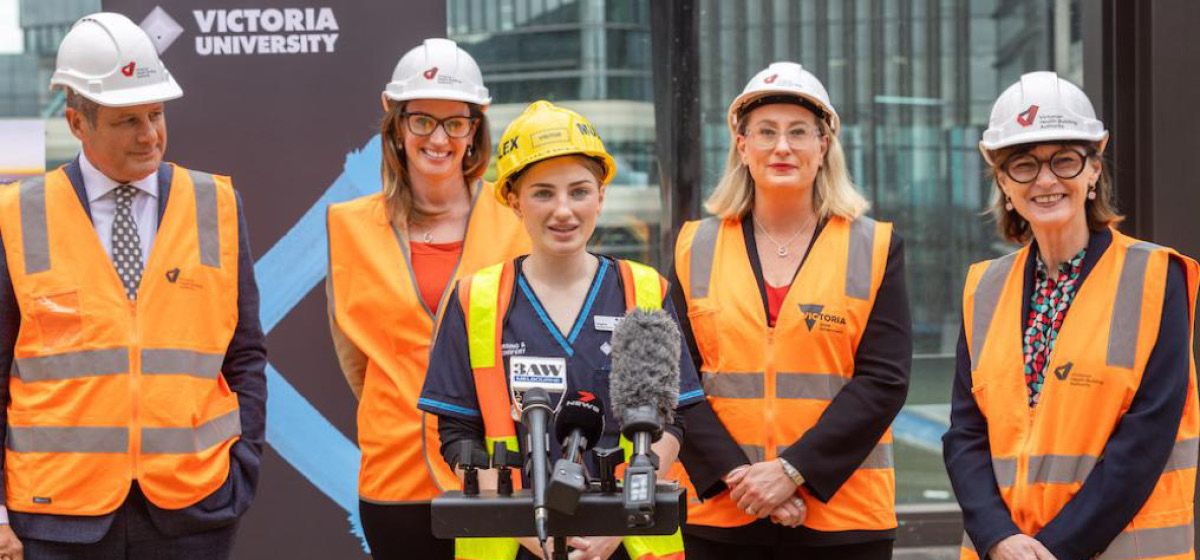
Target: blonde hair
[[397, 187], [834, 193], [1101, 212]]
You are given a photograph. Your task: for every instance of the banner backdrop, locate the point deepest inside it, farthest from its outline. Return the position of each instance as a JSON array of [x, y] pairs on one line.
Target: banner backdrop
[[284, 97]]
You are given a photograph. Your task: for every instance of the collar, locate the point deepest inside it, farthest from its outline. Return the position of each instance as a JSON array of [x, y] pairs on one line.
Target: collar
[[97, 184]]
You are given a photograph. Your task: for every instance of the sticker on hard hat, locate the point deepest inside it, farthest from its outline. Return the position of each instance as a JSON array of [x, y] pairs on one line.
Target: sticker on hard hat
[[551, 136]]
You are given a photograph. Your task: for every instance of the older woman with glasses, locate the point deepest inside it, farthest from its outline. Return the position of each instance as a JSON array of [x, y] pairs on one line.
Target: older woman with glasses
[[1074, 417], [797, 319], [392, 257]]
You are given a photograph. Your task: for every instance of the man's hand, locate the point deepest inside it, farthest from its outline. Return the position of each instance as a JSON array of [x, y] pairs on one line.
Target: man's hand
[[762, 488], [1020, 547], [10, 545]]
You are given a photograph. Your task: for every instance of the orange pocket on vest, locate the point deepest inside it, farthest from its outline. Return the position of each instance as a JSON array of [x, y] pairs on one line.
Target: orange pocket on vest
[[58, 319], [704, 330]]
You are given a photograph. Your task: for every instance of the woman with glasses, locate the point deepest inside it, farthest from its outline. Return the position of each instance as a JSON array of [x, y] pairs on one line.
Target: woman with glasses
[[1074, 417], [392, 257], [797, 319]]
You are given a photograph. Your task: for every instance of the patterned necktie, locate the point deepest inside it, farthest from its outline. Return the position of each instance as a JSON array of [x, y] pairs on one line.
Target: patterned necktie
[[126, 244]]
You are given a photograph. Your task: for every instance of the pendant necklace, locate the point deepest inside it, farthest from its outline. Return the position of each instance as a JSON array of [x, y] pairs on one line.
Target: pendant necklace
[[781, 249]]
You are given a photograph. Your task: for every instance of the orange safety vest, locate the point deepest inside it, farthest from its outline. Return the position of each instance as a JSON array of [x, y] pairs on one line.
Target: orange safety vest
[[485, 298], [104, 390], [377, 304], [769, 385], [1042, 455]]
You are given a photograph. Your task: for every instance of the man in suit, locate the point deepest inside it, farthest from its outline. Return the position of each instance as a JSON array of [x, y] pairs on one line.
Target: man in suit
[[131, 354]]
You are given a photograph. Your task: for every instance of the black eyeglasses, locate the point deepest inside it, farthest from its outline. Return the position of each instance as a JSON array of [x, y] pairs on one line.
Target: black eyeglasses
[[423, 124], [1065, 164]]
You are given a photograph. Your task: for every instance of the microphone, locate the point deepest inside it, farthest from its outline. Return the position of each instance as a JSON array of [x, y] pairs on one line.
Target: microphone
[[579, 425], [644, 386], [535, 414]]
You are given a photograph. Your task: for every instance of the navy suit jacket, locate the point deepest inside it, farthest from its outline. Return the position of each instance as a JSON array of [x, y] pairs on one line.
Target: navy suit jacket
[[244, 370]]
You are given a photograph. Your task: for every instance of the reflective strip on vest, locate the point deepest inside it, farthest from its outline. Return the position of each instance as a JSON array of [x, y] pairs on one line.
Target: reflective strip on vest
[[755, 453], [1127, 309], [734, 385], [208, 230], [54, 439], [1184, 455], [1060, 469], [646, 286], [34, 235], [861, 256], [1151, 543], [511, 445], [704, 245], [481, 322], [1005, 469], [967, 544], [192, 440], [987, 296], [880, 458], [499, 548], [655, 547], [815, 386], [166, 361], [71, 365]]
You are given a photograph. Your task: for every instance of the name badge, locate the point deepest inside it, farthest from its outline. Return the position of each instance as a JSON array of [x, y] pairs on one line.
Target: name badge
[[606, 323]]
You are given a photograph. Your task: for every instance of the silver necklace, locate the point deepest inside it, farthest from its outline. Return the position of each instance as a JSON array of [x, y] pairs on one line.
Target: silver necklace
[[781, 249]]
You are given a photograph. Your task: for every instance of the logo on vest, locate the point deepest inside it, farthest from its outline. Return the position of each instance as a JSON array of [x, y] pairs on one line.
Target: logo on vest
[[41, 500], [174, 276], [1067, 372], [1061, 372], [825, 321]]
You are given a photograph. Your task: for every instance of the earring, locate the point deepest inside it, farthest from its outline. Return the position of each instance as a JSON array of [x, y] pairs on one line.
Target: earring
[[1008, 203], [470, 150], [1092, 192]]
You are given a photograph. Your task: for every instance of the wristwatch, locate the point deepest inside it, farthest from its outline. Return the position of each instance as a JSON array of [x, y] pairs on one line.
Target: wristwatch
[[791, 471]]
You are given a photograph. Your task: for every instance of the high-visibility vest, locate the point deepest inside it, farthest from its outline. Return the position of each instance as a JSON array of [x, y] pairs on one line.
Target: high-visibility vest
[[485, 298], [104, 390], [377, 304], [770, 385], [1042, 455]]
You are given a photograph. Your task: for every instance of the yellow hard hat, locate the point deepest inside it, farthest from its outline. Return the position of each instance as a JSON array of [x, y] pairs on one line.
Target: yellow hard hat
[[543, 131]]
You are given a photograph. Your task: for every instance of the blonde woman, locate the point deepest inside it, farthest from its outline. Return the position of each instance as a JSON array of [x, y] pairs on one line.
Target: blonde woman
[[393, 256], [797, 318]]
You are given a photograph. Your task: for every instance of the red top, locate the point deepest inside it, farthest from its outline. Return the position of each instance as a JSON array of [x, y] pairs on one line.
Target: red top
[[775, 298], [433, 264]]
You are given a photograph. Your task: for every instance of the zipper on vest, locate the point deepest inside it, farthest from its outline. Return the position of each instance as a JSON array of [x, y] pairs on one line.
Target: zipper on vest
[[135, 379], [769, 394]]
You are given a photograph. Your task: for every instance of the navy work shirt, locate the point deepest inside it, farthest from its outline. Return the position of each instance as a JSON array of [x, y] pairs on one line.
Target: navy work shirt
[[449, 389]]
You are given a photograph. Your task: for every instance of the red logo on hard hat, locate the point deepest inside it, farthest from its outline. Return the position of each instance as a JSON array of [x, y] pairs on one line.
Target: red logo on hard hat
[[771, 79], [128, 69], [585, 396], [1026, 118], [430, 73]]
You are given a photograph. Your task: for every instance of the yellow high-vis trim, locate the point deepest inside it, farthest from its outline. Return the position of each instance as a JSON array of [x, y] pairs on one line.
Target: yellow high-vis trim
[[648, 547], [510, 442], [501, 548], [481, 317], [647, 286]]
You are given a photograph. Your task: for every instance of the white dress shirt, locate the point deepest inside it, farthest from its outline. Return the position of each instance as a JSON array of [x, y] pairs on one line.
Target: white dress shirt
[[103, 203]]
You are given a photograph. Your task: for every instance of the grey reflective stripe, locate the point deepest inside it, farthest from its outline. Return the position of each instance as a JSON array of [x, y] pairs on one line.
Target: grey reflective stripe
[[819, 386], [44, 439], [208, 230], [1127, 310], [1151, 543], [704, 245], [1060, 469], [987, 296], [192, 440], [755, 453], [71, 365], [967, 544], [1183, 456], [861, 255], [163, 361], [879, 458], [734, 385], [1005, 469], [34, 236]]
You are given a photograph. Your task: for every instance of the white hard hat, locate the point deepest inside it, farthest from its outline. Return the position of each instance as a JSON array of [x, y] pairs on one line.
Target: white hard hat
[[437, 69], [785, 79], [110, 60], [1041, 107]]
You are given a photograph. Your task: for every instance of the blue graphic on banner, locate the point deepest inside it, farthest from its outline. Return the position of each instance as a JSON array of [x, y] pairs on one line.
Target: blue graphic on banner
[[289, 271]]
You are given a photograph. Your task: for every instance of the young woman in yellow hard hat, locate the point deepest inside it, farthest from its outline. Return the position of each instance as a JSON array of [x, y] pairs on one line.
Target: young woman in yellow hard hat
[[798, 319], [392, 257], [558, 305], [1074, 419]]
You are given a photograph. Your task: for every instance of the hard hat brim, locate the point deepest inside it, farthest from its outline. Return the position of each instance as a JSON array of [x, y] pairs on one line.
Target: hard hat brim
[[1043, 136], [157, 93], [831, 116], [503, 183], [440, 94]]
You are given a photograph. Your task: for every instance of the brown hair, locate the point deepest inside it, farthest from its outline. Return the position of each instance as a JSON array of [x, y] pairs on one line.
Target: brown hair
[[88, 108], [1101, 212], [397, 188]]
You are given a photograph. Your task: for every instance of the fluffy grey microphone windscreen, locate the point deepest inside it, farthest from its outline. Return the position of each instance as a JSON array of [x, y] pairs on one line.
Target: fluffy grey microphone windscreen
[[645, 363]]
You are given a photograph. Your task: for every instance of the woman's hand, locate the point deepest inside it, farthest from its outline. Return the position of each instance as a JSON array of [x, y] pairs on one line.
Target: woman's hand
[[762, 488], [790, 513], [592, 548], [1020, 547]]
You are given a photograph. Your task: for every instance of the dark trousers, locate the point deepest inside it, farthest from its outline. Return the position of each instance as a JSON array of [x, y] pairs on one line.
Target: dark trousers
[[402, 532], [133, 536], [703, 549]]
